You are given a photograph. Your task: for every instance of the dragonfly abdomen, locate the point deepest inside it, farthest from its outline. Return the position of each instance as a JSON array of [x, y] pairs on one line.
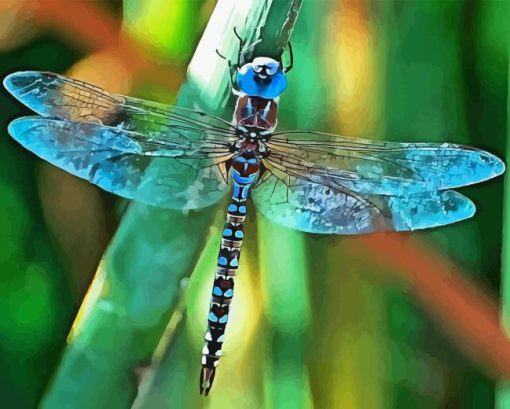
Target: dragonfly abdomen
[[244, 173]]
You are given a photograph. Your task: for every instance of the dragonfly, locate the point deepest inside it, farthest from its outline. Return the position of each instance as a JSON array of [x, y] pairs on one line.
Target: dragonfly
[[313, 182]]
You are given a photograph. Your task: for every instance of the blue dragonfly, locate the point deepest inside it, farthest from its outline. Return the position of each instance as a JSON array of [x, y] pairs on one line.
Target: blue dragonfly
[[310, 181]]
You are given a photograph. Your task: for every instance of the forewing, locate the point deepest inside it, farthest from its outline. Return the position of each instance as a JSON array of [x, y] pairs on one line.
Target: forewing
[[115, 160], [386, 168], [315, 208], [57, 96]]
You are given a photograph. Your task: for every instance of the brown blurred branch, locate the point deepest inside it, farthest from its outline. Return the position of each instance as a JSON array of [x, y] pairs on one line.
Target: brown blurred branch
[[468, 314]]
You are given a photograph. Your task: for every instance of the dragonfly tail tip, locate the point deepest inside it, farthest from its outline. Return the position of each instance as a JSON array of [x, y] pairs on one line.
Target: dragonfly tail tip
[[206, 380]]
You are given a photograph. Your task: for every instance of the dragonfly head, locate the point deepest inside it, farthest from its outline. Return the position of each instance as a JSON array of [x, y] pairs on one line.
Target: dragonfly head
[[263, 77]]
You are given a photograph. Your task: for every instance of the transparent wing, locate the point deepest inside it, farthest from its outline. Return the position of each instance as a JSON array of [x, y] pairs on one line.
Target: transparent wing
[[325, 183], [56, 96], [315, 208], [386, 168], [118, 161], [110, 140]]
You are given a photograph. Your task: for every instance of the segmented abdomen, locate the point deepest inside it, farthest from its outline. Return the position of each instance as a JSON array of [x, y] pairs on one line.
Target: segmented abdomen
[[244, 173]]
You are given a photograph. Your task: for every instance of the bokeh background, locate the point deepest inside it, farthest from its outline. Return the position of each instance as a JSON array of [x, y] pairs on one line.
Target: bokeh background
[[318, 322]]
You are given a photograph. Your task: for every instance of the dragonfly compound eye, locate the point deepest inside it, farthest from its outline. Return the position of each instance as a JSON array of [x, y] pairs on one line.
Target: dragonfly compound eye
[[272, 68], [263, 77], [265, 66]]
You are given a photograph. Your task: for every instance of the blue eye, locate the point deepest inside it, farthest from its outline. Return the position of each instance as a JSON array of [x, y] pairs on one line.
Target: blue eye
[[271, 68], [263, 77]]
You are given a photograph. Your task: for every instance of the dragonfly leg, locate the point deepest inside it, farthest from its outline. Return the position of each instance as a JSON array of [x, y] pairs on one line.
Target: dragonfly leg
[[291, 63], [240, 59], [231, 68]]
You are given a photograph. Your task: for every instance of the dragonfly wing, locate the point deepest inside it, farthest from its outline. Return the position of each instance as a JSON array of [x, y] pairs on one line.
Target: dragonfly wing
[[316, 208], [57, 96], [116, 161], [386, 168]]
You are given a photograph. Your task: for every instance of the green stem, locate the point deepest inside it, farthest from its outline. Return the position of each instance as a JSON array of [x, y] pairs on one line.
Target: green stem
[[177, 369], [503, 389]]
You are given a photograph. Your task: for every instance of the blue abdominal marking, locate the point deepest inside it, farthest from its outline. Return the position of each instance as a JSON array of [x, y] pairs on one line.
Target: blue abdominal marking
[[241, 180], [309, 181]]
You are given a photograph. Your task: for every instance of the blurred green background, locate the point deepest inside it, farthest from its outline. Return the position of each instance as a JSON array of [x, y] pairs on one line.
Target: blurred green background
[[312, 326]]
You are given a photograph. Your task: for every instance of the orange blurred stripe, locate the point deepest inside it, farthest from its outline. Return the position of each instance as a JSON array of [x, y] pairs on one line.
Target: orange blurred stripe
[[87, 24], [82, 20], [91, 25], [467, 313]]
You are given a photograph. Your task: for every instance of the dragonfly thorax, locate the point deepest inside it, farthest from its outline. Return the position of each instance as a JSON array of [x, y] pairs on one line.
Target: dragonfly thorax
[[252, 144], [255, 115]]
